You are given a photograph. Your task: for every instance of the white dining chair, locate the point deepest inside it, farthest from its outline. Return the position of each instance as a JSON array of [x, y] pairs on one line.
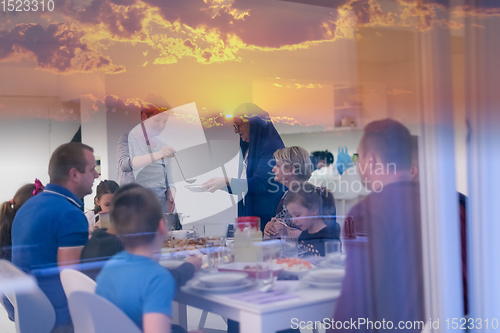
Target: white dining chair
[[33, 311], [73, 280], [92, 313]]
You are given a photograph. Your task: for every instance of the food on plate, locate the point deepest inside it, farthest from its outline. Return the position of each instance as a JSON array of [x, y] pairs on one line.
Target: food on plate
[[185, 244], [293, 264]]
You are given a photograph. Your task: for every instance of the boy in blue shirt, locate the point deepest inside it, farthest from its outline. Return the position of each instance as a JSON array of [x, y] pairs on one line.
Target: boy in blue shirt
[[132, 280]]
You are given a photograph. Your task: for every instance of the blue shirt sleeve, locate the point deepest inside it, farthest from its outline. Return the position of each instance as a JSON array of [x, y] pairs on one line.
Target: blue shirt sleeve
[[72, 229], [160, 294]]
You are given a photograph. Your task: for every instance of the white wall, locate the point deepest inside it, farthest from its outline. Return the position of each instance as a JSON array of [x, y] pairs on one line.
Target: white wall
[[330, 140], [27, 143]]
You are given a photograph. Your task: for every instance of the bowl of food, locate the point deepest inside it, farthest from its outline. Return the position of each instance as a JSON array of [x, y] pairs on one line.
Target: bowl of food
[[294, 266]]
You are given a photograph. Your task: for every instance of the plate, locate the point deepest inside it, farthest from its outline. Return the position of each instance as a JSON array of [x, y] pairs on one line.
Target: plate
[[329, 275], [322, 285], [298, 273], [172, 264], [223, 279], [327, 264], [246, 267], [195, 188], [200, 286]]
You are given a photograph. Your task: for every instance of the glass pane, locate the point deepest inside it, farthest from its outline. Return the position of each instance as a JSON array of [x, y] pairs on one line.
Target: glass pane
[[359, 121]]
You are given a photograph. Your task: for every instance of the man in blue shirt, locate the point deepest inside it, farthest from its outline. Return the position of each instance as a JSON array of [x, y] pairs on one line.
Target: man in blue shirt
[[50, 229], [132, 280]]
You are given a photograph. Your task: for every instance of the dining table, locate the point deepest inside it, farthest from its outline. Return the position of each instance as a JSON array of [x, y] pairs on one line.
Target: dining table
[[303, 304]]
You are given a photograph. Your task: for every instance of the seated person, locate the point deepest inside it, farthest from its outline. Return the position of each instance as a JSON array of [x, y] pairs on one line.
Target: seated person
[[389, 265], [313, 211], [102, 202], [105, 243], [292, 170], [8, 211], [132, 280]]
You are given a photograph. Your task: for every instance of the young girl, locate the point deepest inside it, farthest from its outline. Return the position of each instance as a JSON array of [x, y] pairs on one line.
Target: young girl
[[313, 211], [8, 211], [102, 202]]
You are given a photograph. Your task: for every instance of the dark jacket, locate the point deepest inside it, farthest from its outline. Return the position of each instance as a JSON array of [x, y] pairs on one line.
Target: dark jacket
[[263, 194]]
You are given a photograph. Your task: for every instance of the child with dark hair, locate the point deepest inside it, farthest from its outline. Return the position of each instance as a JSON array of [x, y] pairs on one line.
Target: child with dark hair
[[102, 202], [132, 279], [105, 243], [313, 211], [8, 211]]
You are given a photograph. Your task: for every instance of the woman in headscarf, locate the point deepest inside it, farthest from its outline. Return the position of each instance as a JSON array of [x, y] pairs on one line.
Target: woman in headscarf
[[258, 193]]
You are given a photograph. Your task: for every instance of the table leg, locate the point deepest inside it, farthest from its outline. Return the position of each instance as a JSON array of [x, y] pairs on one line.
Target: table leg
[[254, 323], [179, 314], [203, 319]]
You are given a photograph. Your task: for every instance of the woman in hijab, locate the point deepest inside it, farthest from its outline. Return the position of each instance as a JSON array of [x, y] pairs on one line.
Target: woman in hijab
[[258, 193]]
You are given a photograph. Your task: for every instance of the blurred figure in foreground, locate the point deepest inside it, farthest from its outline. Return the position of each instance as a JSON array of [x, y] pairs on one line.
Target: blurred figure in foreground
[[384, 278]]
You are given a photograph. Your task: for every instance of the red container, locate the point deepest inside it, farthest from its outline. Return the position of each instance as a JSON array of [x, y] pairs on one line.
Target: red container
[[243, 221]]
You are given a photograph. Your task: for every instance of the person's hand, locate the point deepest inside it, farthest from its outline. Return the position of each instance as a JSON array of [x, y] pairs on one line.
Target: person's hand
[[269, 229], [97, 225], [195, 261], [170, 199], [215, 184], [166, 152]]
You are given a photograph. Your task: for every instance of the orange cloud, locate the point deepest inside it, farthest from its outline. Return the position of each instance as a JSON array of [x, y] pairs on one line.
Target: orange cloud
[[58, 48], [122, 19], [425, 12], [209, 31], [132, 106]]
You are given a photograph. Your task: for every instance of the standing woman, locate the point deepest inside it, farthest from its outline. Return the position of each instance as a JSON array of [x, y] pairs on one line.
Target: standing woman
[[258, 193], [8, 211], [150, 156]]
